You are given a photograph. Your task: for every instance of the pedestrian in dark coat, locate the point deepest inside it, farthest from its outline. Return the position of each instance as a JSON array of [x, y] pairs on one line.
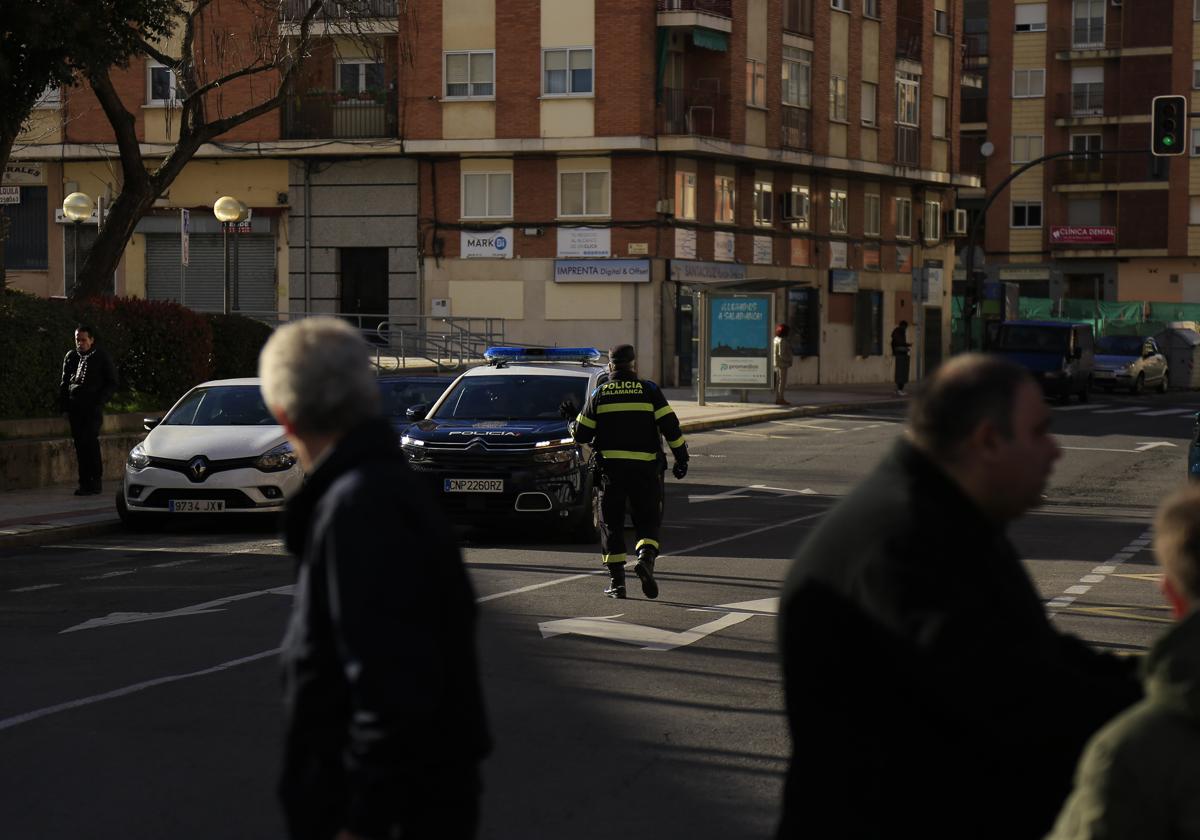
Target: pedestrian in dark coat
[[89, 380], [901, 348], [385, 718], [1139, 778], [927, 693]]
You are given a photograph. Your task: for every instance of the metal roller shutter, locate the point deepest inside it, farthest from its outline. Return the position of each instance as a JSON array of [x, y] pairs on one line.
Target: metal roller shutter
[[204, 280]]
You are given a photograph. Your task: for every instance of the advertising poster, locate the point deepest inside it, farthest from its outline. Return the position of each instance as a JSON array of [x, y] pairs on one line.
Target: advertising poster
[[584, 242], [723, 246], [486, 244], [685, 244], [739, 340]]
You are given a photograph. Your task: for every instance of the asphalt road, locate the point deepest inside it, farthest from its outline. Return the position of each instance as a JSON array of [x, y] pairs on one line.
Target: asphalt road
[[141, 688]]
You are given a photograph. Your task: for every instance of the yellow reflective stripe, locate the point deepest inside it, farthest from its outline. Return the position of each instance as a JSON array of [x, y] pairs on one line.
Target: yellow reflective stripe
[[585, 421], [625, 454], [652, 543], [663, 412], [678, 442], [614, 558], [629, 406]]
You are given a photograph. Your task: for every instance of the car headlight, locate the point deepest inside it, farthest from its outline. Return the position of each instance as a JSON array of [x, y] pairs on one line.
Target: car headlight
[[138, 459], [281, 458], [562, 451], [1128, 369]]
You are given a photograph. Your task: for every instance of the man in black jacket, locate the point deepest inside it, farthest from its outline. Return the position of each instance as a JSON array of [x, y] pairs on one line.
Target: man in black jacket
[[89, 379], [385, 719], [927, 693]]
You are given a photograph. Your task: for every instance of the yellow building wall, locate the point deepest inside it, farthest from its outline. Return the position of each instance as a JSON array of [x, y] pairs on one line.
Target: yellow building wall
[[870, 51], [568, 117], [468, 24], [1194, 175], [939, 159], [162, 124], [256, 183], [941, 66], [837, 139], [756, 127], [1150, 279], [868, 144], [568, 23], [44, 125], [487, 298], [1193, 240], [468, 120], [566, 301], [1029, 51], [1025, 240], [756, 29], [1028, 116], [135, 266]]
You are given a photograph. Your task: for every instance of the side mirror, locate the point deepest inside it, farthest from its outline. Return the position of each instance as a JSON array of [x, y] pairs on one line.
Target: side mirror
[[416, 412], [148, 423]]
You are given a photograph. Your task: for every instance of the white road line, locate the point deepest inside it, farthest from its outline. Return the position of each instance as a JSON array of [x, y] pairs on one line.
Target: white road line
[[796, 425], [1128, 409], [121, 573], [807, 491], [1166, 411], [36, 588], [1098, 574], [750, 434], [1081, 406], [17, 720], [1077, 590]]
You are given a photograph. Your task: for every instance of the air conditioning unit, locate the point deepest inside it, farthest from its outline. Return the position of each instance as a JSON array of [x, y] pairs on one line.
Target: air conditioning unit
[[795, 206], [665, 206], [1116, 2], [956, 222]]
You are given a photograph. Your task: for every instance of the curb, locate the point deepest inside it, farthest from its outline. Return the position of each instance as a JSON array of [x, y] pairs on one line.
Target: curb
[[43, 536]]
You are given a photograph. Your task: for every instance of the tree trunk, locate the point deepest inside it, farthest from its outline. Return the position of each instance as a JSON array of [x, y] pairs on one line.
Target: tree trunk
[[7, 139], [120, 220]]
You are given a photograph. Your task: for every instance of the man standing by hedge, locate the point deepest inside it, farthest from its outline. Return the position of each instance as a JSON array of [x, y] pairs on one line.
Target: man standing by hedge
[[89, 379]]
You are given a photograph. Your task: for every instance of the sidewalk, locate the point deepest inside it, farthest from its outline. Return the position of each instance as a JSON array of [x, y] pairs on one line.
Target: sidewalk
[[51, 514]]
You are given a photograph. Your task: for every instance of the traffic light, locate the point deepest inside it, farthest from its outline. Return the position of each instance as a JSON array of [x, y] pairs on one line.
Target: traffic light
[[1168, 128]]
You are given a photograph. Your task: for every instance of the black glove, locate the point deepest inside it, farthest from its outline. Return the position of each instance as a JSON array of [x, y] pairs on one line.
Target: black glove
[[680, 468], [567, 410]]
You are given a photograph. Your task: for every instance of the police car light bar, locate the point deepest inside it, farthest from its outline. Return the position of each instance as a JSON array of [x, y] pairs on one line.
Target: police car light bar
[[542, 354]]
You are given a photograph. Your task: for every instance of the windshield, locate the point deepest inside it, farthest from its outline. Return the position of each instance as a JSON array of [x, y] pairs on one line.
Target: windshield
[[399, 396], [228, 405], [1031, 339], [513, 398], [1120, 345]]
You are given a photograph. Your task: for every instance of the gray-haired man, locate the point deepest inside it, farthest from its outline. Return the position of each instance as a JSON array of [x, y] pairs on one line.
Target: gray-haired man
[[385, 719]]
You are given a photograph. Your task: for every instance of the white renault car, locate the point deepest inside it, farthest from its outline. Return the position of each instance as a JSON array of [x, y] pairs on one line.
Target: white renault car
[[218, 450]]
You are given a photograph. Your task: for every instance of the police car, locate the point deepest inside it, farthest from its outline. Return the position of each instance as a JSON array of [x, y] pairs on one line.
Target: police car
[[496, 449]]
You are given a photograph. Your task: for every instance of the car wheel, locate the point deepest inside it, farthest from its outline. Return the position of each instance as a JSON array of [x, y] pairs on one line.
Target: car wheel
[[1163, 386], [586, 528], [133, 520], [1138, 385]]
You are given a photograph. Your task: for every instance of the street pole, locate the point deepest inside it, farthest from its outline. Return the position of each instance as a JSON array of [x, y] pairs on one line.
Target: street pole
[[75, 257], [225, 248]]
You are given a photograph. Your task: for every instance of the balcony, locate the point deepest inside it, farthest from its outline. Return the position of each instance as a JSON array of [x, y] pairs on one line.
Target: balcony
[[796, 131], [710, 14], [339, 116], [357, 17], [908, 38], [908, 145], [1091, 170], [699, 112], [1084, 100], [974, 110], [1088, 39]]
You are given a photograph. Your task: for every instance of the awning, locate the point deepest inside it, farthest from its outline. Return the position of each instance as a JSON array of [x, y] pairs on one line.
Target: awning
[[710, 39]]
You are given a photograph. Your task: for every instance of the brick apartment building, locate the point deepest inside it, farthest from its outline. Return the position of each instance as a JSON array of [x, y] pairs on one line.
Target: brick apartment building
[[578, 168], [1080, 75]]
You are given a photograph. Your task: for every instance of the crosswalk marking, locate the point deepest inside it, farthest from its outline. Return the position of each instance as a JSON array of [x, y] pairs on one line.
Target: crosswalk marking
[[1164, 412], [1129, 409], [1080, 407]]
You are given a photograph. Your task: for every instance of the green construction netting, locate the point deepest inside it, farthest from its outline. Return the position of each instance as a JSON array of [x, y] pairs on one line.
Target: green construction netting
[[1107, 317]]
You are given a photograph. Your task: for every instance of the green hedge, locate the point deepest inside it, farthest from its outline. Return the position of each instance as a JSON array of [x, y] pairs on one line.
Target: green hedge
[[161, 349]]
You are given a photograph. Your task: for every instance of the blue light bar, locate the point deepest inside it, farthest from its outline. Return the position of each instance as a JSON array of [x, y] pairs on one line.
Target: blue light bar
[[542, 354]]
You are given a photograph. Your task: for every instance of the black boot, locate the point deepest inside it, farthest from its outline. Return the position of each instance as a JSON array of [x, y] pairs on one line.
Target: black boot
[[616, 582], [645, 572]]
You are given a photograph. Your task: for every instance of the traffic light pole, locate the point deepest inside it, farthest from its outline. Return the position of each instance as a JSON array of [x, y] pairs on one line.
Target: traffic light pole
[[975, 284]]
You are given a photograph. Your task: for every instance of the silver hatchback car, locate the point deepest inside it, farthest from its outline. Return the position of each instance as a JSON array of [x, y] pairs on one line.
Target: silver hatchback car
[[1129, 361]]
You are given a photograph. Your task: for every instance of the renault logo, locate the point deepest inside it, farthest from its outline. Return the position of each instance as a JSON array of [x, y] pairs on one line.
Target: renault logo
[[198, 468]]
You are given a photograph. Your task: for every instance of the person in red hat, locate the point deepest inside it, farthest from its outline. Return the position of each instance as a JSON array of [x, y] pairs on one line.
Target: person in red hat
[[783, 361]]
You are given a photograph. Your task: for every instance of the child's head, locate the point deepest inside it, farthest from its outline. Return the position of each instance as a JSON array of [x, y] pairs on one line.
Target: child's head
[[1177, 548]]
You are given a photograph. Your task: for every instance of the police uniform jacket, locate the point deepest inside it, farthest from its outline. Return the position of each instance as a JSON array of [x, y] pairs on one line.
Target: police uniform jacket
[[927, 693], [623, 419]]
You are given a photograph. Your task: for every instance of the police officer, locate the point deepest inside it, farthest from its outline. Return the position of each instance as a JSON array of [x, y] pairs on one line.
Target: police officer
[[622, 420]]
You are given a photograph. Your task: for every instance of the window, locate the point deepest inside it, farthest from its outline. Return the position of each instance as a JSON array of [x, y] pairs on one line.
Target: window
[[871, 8], [1087, 23], [1026, 147], [933, 221], [1196, 142], [838, 212], [359, 76], [1194, 210], [802, 208], [1031, 17], [903, 218], [1029, 83], [797, 77], [908, 99], [567, 72], [941, 22], [868, 323], [160, 84], [756, 83], [726, 197], [764, 203], [27, 245], [837, 99], [1027, 214], [51, 97], [871, 214], [685, 195], [486, 195], [841, 5], [1083, 211], [1196, 74], [869, 95], [470, 75], [939, 116], [1195, 9], [583, 193], [797, 16]]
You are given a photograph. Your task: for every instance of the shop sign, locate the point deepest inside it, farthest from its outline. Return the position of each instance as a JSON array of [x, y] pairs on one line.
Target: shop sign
[[685, 243], [762, 250], [486, 244], [843, 281], [1083, 234], [723, 246], [602, 271], [584, 242]]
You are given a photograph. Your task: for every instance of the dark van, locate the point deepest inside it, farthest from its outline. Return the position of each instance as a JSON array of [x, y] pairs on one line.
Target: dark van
[[1061, 356]]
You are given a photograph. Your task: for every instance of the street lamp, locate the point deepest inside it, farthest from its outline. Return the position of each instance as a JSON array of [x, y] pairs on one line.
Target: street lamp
[[77, 207], [229, 211]]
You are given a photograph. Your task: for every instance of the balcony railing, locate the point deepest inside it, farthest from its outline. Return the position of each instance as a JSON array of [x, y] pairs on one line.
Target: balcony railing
[[1088, 34], [1090, 170], [908, 38], [1082, 101], [908, 145], [695, 111], [720, 8], [797, 129], [1096, 35], [294, 10], [339, 116], [974, 110]]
